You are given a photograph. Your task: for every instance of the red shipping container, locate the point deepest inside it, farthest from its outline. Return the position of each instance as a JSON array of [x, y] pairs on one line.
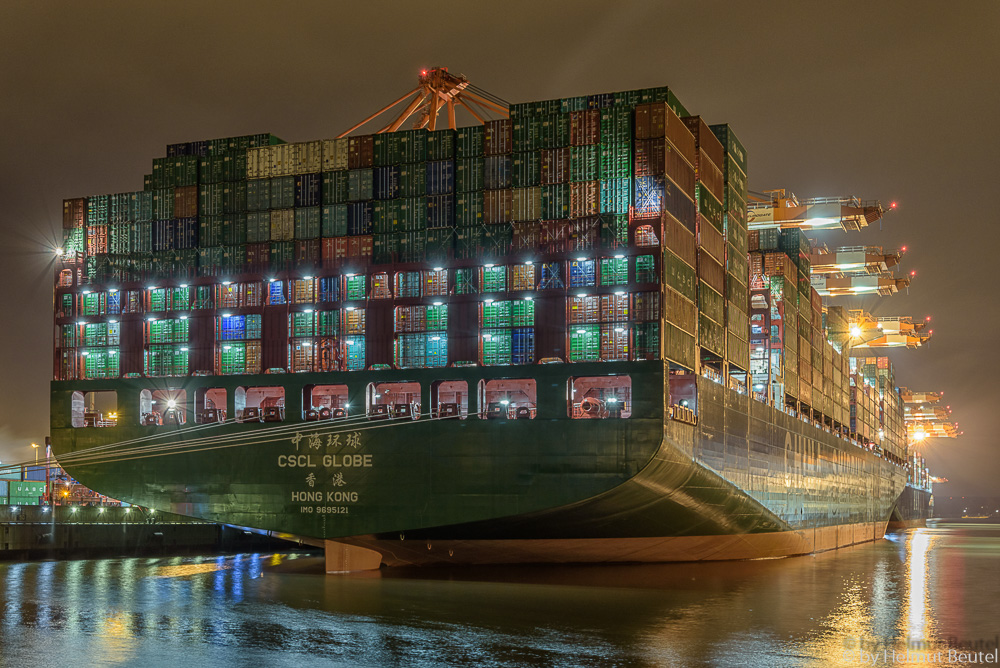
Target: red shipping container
[[497, 137], [74, 212], [555, 165], [756, 264], [186, 202], [498, 206], [258, 256], [359, 247], [585, 127], [360, 152], [97, 240], [333, 251], [555, 235]]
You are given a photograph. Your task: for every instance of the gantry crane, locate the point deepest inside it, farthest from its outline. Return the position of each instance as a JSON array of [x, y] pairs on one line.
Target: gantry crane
[[853, 259], [925, 417], [437, 89], [779, 208], [867, 331], [864, 284]]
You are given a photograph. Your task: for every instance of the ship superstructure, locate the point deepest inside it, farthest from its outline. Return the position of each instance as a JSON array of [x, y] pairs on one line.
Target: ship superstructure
[[514, 339]]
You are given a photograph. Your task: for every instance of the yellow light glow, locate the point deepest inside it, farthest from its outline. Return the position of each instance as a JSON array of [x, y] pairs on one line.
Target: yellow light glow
[[855, 331]]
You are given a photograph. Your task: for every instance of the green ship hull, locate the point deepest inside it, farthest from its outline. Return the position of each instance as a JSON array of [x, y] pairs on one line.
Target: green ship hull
[[739, 480]]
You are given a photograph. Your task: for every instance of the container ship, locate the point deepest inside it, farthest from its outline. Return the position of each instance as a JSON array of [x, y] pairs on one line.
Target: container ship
[[565, 334]]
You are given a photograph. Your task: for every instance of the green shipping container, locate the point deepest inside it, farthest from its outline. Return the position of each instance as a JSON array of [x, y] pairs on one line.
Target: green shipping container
[[334, 220], [335, 187], [526, 168], [469, 142], [469, 175]]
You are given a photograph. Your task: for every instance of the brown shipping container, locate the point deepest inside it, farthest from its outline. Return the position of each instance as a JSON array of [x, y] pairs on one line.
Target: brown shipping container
[[711, 272], [585, 127], [360, 152], [497, 137], [359, 247], [705, 139], [307, 252], [186, 202], [711, 240], [497, 206], [555, 165], [679, 239], [74, 212], [655, 120], [333, 251], [710, 175]]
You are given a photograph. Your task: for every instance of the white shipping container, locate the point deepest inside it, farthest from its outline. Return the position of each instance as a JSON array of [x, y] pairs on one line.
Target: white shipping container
[[259, 163], [282, 224], [335, 154], [307, 157], [282, 159]]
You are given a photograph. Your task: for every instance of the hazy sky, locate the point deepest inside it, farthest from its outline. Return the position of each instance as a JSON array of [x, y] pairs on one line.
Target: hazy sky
[[888, 100]]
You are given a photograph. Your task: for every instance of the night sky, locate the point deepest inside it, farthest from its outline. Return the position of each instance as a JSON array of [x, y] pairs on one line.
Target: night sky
[[888, 100]]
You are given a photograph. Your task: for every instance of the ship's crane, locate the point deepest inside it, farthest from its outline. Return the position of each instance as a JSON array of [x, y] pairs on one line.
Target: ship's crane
[[779, 208], [437, 89], [867, 331], [925, 417], [853, 259]]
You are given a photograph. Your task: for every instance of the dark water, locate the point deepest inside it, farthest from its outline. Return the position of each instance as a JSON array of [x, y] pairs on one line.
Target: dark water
[[933, 588]]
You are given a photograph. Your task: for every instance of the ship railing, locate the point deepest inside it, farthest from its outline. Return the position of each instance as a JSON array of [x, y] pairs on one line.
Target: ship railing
[[683, 414]]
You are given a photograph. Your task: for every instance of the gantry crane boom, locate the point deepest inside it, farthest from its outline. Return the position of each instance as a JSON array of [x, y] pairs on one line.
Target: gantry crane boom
[[867, 331], [925, 417], [778, 208], [438, 89], [853, 259], [849, 286]]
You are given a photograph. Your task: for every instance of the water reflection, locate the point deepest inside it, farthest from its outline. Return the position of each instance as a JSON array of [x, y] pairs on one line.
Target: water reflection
[[929, 589]]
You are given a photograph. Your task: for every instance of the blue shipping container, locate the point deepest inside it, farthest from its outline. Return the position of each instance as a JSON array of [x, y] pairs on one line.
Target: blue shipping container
[[496, 172], [185, 233], [441, 177], [34, 473], [523, 345], [308, 189], [164, 237], [359, 218], [387, 182]]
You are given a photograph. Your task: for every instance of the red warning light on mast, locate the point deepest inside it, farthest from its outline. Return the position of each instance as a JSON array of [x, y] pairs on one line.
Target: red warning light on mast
[[892, 205]]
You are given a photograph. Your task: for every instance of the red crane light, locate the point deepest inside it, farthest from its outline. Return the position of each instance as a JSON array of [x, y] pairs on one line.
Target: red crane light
[[892, 206], [913, 273]]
